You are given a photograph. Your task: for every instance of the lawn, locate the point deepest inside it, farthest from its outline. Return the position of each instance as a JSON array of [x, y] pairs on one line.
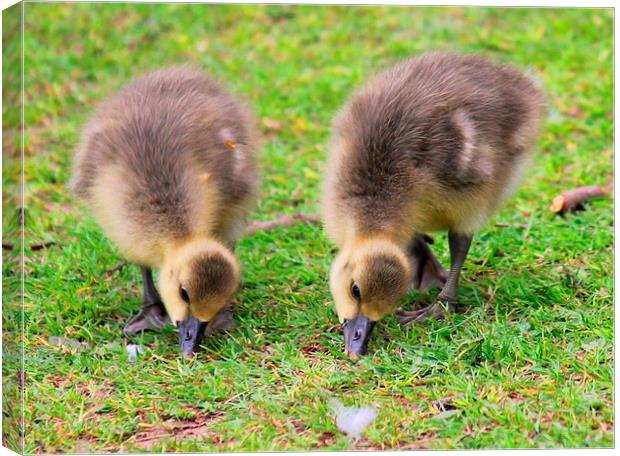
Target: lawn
[[526, 363]]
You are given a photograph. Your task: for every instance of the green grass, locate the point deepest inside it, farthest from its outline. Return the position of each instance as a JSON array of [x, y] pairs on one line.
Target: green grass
[[528, 363]]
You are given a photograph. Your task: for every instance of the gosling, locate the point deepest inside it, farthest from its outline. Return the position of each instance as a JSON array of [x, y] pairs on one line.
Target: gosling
[[437, 142], [168, 168]]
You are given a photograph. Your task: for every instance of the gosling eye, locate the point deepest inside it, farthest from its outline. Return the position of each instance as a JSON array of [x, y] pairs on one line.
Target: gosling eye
[[184, 294], [355, 292]]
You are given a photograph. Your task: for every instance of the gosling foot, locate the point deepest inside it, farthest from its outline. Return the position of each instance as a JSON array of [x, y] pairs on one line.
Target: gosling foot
[[223, 321], [435, 311], [151, 316]]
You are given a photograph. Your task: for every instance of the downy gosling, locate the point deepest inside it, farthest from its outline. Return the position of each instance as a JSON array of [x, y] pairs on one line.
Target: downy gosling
[[168, 168], [436, 142]]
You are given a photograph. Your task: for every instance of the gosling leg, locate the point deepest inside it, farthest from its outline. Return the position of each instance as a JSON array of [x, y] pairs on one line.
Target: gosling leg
[[153, 314], [446, 300], [427, 271]]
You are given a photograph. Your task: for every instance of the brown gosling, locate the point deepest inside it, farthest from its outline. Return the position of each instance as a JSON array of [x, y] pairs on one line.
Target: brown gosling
[[168, 168], [436, 142]]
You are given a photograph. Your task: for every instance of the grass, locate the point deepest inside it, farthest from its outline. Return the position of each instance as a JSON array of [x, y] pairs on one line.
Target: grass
[[528, 363]]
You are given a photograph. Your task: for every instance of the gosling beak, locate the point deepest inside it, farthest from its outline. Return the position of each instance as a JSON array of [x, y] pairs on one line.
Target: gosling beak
[[356, 336], [190, 335]]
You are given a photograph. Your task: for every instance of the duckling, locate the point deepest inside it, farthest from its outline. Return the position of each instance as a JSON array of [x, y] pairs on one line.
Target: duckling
[[435, 143], [168, 169]]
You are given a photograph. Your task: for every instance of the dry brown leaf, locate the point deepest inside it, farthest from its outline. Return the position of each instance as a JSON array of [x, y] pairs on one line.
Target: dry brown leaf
[[172, 429], [230, 144]]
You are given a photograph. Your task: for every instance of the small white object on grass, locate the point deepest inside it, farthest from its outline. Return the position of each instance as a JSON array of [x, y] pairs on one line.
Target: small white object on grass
[[352, 420], [132, 352]]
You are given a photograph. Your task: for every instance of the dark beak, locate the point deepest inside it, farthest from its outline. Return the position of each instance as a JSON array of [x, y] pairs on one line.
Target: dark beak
[[356, 336], [190, 335]]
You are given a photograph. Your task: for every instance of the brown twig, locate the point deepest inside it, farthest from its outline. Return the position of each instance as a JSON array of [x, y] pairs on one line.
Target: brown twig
[[571, 200], [7, 246], [120, 265], [41, 246], [508, 225], [284, 220]]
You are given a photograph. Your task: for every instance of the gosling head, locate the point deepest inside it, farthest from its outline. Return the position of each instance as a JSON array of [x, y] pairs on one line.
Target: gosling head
[[196, 282], [368, 281]]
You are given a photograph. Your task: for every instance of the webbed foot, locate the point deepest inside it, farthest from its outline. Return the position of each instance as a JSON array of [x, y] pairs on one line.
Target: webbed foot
[[221, 322], [152, 316], [435, 311]]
